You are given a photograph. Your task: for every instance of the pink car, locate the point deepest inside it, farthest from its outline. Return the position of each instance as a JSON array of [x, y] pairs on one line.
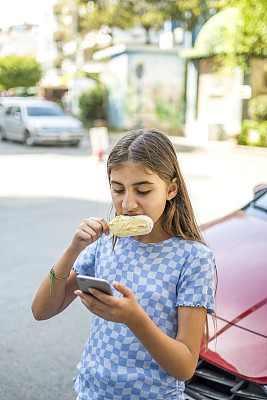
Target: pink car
[[235, 365]]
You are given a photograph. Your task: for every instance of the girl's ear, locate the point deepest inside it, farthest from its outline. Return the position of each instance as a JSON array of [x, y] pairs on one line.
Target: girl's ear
[[173, 189]]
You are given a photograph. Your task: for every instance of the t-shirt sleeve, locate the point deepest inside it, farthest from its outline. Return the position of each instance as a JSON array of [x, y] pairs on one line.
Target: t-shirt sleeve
[[85, 262], [196, 283]]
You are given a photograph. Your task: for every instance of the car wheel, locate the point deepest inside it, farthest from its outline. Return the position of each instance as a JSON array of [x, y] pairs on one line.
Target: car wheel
[[28, 139], [2, 134]]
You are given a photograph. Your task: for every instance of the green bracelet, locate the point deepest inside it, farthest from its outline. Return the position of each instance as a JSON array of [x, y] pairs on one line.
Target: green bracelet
[[52, 276]]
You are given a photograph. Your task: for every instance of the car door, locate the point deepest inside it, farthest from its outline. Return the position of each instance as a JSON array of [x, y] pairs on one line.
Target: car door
[[16, 124], [7, 122]]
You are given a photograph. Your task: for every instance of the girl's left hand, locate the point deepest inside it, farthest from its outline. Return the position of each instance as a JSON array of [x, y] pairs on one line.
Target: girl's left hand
[[123, 309]]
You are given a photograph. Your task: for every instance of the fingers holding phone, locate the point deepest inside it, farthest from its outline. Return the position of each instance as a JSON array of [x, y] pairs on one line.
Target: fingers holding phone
[[102, 303], [97, 305]]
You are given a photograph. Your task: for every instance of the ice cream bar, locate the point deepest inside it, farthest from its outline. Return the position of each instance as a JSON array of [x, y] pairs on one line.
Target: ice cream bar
[[124, 225]]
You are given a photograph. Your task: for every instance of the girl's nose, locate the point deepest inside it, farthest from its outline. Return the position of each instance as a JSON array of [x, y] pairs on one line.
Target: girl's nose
[[129, 203]]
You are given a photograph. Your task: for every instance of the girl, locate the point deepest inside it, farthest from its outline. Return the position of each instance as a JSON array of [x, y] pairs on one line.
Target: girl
[[145, 340]]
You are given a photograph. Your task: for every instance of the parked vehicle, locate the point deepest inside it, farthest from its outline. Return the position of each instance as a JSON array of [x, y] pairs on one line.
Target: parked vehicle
[[37, 121], [235, 365]]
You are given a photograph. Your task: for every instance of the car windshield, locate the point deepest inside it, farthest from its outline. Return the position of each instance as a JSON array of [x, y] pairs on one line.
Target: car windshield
[[258, 206], [44, 112], [261, 202]]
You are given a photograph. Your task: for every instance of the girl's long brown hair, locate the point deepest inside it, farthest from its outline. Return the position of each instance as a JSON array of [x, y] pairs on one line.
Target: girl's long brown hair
[[154, 151]]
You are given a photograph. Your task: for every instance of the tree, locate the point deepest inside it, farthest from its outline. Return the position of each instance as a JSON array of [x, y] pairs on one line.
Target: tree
[[92, 104], [144, 14], [19, 72], [92, 15], [105, 14], [149, 14], [152, 14], [118, 14], [190, 14], [246, 36]]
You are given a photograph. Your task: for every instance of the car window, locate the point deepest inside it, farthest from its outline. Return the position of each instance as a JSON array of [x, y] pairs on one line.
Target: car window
[[258, 206], [9, 110], [44, 111], [15, 110]]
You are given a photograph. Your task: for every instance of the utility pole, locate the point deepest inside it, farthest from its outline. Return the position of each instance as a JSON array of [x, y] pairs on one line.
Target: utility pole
[[74, 94]]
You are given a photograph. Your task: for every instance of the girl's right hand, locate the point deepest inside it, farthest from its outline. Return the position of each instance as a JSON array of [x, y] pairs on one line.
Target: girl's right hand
[[88, 232]]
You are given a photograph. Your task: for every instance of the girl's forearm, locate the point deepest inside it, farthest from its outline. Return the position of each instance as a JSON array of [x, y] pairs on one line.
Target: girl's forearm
[[47, 303], [173, 356]]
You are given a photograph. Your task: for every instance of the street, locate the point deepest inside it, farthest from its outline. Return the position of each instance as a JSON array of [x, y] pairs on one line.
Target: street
[[45, 192]]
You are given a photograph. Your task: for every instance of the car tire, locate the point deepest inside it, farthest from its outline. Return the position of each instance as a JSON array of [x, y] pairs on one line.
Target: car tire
[[28, 139], [2, 134]]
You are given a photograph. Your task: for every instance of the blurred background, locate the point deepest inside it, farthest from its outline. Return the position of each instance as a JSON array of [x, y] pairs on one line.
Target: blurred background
[[194, 69]]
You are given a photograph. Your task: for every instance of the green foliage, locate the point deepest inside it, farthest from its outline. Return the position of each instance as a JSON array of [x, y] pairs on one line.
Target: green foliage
[[171, 112], [91, 104], [253, 133], [190, 12], [106, 14], [19, 72], [149, 14], [254, 130], [246, 36], [152, 14], [121, 14], [94, 15], [257, 108]]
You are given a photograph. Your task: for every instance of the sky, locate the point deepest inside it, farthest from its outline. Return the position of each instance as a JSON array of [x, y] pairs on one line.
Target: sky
[[14, 12]]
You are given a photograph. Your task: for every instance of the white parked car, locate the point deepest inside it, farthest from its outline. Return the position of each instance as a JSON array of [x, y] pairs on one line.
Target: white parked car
[[37, 121]]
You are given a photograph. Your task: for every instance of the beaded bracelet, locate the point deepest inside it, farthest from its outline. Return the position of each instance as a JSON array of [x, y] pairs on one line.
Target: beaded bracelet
[[52, 276]]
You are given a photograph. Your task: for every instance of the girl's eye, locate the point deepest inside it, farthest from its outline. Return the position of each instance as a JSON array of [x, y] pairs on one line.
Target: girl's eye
[[118, 191], [143, 193]]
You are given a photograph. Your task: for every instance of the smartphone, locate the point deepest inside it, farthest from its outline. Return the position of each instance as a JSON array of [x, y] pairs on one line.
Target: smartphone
[[87, 282]]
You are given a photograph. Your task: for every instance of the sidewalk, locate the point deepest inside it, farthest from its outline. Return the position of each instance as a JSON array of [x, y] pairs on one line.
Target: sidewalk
[[183, 144]]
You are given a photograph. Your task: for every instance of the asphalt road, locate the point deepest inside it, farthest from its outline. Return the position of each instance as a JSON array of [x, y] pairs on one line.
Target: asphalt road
[[45, 192], [38, 359]]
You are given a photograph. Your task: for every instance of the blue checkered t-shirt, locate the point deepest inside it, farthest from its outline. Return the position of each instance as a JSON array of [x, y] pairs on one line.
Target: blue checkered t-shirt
[[162, 276]]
